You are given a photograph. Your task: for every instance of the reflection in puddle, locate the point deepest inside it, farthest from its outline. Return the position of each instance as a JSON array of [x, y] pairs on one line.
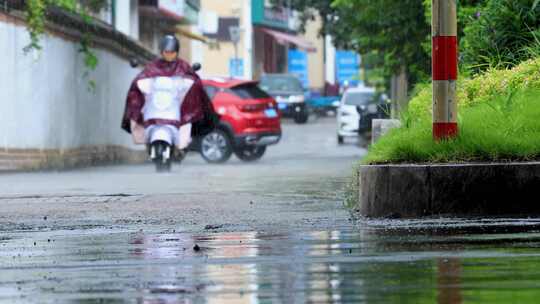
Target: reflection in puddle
[[432, 264]]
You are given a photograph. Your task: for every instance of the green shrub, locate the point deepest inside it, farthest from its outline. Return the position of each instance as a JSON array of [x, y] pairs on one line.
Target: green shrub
[[505, 128], [502, 34], [480, 89], [490, 129]]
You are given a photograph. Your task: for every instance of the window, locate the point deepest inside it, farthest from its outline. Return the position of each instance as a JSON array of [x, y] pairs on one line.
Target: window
[[223, 33], [359, 98], [249, 91], [211, 91], [281, 84]]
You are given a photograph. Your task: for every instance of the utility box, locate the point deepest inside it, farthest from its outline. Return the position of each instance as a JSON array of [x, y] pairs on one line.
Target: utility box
[[379, 127]]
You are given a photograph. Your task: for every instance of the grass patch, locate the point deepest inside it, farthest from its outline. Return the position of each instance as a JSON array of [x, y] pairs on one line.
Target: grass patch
[[499, 120], [481, 89], [504, 128]]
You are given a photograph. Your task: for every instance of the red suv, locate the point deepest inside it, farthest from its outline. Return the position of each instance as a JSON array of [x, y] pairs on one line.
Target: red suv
[[249, 121]]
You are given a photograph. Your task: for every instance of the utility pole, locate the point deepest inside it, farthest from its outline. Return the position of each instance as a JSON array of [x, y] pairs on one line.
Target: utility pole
[[445, 63], [234, 31]]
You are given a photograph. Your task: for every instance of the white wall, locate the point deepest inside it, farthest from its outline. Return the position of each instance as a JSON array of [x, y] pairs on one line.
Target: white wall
[[330, 75], [44, 98], [123, 12], [248, 39], [134, 19], [197, 47]]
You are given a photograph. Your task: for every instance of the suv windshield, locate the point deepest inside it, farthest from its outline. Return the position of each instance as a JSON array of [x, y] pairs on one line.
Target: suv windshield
[[249, 91], [281, 84], [359, 98]]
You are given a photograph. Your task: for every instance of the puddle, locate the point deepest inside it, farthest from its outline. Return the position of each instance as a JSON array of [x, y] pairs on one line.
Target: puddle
[[431, 261]]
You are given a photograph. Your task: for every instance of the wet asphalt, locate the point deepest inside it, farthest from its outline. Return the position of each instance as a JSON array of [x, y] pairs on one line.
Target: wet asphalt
[[275, 231]]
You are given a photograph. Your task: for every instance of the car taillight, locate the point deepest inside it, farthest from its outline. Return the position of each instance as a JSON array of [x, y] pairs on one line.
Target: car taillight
[[252, 107]]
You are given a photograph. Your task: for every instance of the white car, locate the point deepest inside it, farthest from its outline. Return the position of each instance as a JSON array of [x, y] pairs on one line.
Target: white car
[[348, 117]]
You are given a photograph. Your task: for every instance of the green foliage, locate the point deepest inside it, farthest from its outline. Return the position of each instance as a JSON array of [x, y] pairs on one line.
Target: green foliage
[[36, 16], [481, 89], [498, 122], [505, 129], [391, 30], [467, 10], [502, 35], [351, 188], [374, 76], [394, 29]]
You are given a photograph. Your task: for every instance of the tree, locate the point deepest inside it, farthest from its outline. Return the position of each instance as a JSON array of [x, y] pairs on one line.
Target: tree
[[391, 32], [399, 32], [395, 28]]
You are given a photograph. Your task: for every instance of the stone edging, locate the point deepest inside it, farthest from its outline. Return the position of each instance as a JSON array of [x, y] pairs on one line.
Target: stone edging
[[449, 189], [35, 159]]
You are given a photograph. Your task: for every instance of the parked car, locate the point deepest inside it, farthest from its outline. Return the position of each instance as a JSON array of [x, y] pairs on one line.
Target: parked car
[[358, 107], [288, 92], [378, 107], [322, 105], [249, 121]]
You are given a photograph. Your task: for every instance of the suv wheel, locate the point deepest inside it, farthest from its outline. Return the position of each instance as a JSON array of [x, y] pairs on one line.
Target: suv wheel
[[250, 153], [216, 147], [302, 117]]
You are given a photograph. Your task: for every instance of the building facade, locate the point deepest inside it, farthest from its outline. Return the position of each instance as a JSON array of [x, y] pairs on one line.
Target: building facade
[[252, 37], [146, 21], [179, 17]]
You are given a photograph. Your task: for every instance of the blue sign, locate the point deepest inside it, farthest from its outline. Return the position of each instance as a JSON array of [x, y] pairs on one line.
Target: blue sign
[[298, 65], [236, 67], [347, 67]]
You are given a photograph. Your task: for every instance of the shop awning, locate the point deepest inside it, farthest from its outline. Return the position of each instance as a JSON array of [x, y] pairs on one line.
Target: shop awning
[[190, 35], [154, 12], [283, 38]]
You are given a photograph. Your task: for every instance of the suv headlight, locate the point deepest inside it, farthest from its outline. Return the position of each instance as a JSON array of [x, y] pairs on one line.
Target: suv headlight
[[281, 99]]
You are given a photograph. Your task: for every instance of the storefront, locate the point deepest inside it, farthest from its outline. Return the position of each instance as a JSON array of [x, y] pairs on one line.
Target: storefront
[[274, 35], [160, 17]]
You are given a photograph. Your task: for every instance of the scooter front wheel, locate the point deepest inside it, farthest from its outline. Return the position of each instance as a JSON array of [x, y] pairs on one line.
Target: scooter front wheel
[[161, 156]]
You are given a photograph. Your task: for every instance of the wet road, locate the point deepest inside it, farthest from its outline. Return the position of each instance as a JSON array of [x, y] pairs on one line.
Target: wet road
[[298, 183], [271, 232]]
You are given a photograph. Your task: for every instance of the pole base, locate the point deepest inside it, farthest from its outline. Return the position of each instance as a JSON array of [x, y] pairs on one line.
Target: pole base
[[445, 130]]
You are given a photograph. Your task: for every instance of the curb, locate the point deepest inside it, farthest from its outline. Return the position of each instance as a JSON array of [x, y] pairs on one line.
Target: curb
[[450, 189]]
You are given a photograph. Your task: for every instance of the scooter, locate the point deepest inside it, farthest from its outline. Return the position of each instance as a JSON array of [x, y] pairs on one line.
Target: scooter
[[163, 99]]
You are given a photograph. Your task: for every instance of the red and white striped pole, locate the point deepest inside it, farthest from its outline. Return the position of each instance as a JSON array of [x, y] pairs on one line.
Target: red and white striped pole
[[445, 68]]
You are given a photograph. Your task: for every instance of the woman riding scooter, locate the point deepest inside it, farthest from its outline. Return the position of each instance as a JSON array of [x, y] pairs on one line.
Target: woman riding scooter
[[166, 105]]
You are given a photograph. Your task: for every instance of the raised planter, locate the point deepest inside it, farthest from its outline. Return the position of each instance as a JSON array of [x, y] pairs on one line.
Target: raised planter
[[449, 189]]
